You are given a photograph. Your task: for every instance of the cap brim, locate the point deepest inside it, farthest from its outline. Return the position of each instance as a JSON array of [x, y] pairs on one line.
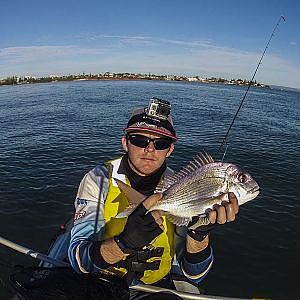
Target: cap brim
[[151, 130]]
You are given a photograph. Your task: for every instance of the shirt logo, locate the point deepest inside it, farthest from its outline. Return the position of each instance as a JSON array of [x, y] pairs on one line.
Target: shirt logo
[[81, 202], [79, 215]]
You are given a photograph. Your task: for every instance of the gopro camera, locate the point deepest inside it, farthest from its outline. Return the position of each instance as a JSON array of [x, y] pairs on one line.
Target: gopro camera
[[158, 109]]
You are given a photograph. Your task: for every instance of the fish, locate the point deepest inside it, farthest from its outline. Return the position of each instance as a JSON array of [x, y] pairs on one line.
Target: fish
[[195, 189]]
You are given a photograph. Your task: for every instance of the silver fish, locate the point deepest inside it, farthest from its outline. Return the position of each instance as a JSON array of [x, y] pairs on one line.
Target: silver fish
[[199, 186]]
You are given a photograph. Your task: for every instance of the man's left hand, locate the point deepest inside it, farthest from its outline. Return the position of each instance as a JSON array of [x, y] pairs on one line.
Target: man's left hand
[[220, 214], [226, 212]]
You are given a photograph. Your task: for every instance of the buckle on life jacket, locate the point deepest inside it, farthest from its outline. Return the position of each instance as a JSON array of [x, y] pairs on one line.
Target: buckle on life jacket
[[139, 267], [136, 264], [146, 254]]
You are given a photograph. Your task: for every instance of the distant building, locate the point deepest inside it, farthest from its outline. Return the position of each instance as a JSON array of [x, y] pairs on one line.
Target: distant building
[[192, 79]]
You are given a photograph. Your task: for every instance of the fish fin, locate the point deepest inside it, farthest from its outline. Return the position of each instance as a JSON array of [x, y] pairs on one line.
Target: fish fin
[[164, 184], [134, 198], [125, 213], [200, 160], [180, 221]]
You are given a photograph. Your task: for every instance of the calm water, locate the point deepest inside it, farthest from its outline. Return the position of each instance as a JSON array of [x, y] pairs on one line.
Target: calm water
[[52, 134]]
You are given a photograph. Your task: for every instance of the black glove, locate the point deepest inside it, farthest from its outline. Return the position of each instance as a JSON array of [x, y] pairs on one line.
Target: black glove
[[140, 229], [200, 232]]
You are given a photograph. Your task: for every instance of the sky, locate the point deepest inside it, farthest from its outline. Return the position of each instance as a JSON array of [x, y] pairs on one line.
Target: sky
[[191, 37]]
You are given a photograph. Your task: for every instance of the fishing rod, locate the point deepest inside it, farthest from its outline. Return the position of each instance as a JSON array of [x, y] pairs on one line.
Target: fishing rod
[[32, 253], [249, 85]]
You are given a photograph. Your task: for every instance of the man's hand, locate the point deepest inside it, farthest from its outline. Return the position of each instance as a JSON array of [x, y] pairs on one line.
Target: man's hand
[[141, 227], [226, 212], [220, 214]]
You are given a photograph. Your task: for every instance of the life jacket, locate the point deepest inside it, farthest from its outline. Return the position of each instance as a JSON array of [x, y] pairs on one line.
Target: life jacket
[[154, 265]]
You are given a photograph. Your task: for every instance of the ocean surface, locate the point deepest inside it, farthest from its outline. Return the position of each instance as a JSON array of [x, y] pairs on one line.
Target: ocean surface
[[52, 134]]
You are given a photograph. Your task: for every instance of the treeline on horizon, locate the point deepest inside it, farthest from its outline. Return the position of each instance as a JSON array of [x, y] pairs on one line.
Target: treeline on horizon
[[13, 80]]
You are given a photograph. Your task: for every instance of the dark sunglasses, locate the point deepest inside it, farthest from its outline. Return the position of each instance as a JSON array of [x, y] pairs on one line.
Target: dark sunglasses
[[142, 141]]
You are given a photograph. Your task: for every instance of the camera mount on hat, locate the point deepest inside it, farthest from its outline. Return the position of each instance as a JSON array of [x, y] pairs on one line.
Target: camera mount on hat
[[155, 118], [158, 109]]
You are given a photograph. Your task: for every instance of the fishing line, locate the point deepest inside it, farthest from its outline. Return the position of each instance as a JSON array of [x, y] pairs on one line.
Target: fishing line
[[224, 141], [225, 151]]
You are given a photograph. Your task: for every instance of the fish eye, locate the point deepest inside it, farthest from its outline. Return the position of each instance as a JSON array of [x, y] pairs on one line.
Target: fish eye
[[242, 178]]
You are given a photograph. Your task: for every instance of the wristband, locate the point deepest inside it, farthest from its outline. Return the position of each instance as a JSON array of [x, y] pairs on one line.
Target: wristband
[[198, 235], [201, 232], [122, 246]]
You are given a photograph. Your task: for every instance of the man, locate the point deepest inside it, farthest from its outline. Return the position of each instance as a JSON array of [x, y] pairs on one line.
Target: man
[[143, 247]]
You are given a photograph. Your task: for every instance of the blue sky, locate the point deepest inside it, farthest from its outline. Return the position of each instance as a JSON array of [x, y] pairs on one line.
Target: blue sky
[[204, 38]]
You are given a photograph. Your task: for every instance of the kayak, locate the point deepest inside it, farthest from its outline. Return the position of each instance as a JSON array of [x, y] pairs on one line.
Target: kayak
[[55, 279], [58, 248], [59, 251]]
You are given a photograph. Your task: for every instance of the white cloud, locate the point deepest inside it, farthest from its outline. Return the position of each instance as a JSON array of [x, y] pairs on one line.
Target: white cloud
[[122, 37], [34, 53], [157, 41]]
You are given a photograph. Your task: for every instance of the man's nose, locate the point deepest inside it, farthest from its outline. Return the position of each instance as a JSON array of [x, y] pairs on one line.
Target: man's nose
[[150, 147]]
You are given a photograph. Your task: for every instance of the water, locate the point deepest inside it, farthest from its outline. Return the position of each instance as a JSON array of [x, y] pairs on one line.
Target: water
[[52, 134]]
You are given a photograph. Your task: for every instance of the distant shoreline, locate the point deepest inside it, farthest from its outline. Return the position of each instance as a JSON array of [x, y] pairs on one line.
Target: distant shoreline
[[16, 80]]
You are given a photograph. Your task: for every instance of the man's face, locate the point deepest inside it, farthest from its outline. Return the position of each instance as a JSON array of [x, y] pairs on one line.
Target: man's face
[[145, 161]]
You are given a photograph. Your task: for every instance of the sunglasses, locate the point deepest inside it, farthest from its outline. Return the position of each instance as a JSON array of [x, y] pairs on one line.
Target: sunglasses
[[142, 141]]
